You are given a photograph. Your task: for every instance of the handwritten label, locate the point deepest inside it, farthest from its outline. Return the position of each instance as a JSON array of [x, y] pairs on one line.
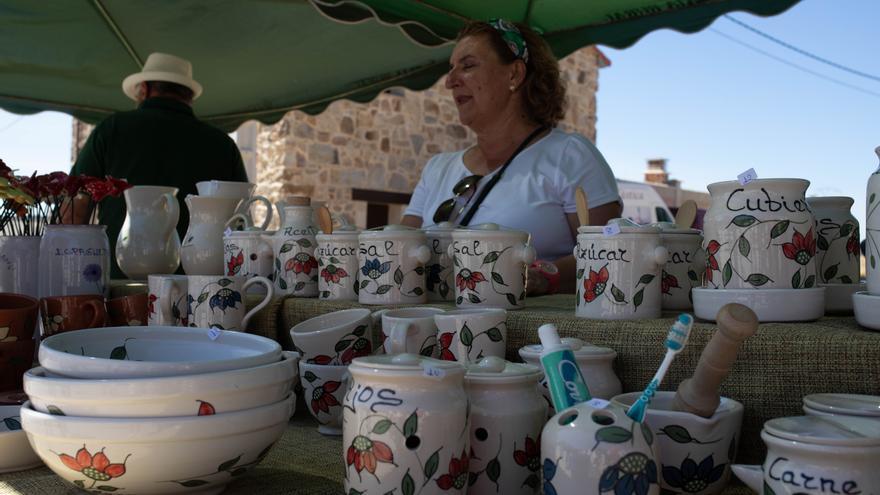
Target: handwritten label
[[598, 403], [610, 230], [747, 176], [213, 333], [433, 372]]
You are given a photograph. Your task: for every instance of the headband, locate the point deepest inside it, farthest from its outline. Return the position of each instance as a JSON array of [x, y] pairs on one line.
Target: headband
[[511, 35]]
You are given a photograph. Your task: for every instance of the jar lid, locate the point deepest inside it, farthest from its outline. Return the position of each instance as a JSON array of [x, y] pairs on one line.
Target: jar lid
[[625, 225], [345, 235], [673, 228], [580, 349], [440, 227], [494, 370], [246, 233], [847, 404], [392, 230], [409, 363], [826, 430], [490, 230]]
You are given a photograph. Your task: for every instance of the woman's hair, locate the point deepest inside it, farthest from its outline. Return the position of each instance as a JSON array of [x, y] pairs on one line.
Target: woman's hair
[[543, 89]]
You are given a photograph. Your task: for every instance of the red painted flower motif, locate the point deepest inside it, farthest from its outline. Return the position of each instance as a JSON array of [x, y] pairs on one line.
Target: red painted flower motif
[[445, 342], [667, 282], [333, 274], [321, 359], [360, 347], [801, 248], [458, 473], [530, 457], [233, 266], [852, 244], [301, 263], [711, 262], [151, 307], [468, 279], [322, 397], [594, 284], [205, 408], [365, 453], [97, 467]]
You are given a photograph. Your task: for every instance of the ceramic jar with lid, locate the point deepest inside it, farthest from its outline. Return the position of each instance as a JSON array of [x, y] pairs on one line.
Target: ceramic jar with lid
[[296, 269], [392, 265], [813, 454], [490, 263], [439, 275], [337, 255], [618, 274], [248, 253], [405, 425], [685, 264], [867, 406], [507, 415]]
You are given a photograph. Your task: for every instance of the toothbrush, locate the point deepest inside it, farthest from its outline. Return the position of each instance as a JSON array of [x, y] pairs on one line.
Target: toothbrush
[[675, 341]]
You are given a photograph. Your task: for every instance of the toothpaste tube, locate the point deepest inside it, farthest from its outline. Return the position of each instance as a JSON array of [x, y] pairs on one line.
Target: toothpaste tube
[[564, 377]]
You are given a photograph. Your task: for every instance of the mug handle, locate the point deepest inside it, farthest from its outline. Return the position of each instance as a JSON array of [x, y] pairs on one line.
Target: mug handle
[[260, 199], [398, 338], [172, 207], [165, 305], [270, 293], [238, 217], [100, 317]]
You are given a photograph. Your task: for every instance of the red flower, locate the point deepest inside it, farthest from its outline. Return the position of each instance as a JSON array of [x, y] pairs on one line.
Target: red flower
[[711, 262], [458, 474], [322, 397], [97, 467], [852, 244], [594, 284], [150, 304], [233, 266], [530, 457], [365, 453], [469, 279], [668, 281], [301, 263], [333, 274], [97, 189], [117, 186], [320, 359], [801, 248], [360, 347], [445, 342], [205, 408]]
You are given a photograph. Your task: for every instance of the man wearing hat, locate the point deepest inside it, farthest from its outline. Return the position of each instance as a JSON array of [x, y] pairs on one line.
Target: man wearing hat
[[159, 143]]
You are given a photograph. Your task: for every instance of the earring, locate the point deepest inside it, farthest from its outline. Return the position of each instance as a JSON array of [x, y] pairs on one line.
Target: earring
[[512, 88]]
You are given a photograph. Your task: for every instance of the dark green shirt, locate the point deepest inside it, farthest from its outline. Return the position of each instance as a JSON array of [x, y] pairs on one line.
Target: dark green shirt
[[161, 143]]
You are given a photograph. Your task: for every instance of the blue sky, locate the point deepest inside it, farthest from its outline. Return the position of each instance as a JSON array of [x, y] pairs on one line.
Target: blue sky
[[712, 107]]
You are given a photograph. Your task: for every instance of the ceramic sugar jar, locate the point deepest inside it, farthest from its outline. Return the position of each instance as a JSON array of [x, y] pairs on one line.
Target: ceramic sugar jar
[[296, 269], [618, 274], [507, 416], [405, 426], [392, 265], [685, 263], [439, 275], [490, 263], [338, 265]]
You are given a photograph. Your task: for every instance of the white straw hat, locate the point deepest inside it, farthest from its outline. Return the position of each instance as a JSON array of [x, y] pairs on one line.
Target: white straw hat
[[162, 67]]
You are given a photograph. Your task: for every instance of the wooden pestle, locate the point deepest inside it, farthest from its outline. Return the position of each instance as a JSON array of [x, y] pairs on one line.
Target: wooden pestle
[[699, 394]]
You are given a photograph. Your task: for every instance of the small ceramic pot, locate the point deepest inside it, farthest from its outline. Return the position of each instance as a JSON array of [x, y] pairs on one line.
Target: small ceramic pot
[[247, 253], [695, 453], [507, 416], [324, 388], [811, 454], [334, 338], [296, 269], [685, 264], [128, 310], [65, 313], [18, 317], [439, 274], [338, 265], [166, 300], [409, 330], [618, 276], [392, 263], [590, 449], [405, 424], [490, 264], [20, 264], [872, 231], [216, 301], [867, 406], [760, 235], [468, 335], [838, 255], [74, 260]]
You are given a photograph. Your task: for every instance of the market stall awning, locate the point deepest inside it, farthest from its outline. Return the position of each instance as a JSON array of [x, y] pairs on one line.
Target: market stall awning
[[259, 59]]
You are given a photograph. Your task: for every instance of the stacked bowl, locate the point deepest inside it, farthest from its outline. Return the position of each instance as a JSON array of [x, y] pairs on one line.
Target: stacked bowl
[[155, 410]]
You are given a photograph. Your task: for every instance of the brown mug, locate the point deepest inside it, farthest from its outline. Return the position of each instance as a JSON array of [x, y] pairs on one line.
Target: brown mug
[[65, 313], [18, 317], [128, 310], [15, 359]]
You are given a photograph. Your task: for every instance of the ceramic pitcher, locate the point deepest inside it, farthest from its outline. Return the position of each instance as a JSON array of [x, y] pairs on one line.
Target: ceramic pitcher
[[685, 263], [760, 235], [74, 259], [243, 191], [439, 275], [872, 232], [618, 275], [392, 265], [202, 250], [338, 265], [296, 269], [507, 415], [148, 242], [490, 263], [405, 425], [838, 255], [20, 264]]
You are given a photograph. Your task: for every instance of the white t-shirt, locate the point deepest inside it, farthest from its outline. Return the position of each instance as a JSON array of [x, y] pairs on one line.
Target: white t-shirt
[[534, 194]]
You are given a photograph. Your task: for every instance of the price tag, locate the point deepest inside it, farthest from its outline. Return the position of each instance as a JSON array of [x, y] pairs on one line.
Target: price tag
[[747, 176], [433, 372], [610, 230], [598, 403], [213, 333], [227, 231]]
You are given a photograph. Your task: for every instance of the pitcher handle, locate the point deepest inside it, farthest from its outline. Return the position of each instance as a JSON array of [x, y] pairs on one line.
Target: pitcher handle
[[166, 302], [100, 313], [270, 293], [235, 219], [172, 208], [397, 338], [268, 204]]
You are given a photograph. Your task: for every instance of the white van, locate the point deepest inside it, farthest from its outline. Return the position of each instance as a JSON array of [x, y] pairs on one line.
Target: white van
[[641, 203]]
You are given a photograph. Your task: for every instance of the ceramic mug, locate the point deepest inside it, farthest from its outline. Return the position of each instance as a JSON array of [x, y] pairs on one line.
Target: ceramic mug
[[323, 391], [838, 256], [128, 310], [685, 264], [409, 330], [247, 254], [18, 317], [468, 335], [392, 265], [334, 338], [166, 300], [217, 301], [65, 313], [15, 359], [338, 265]]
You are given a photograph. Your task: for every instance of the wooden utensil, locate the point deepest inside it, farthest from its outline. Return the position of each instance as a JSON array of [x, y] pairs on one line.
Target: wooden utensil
[[583, 207], [325, 222], [686, 214]]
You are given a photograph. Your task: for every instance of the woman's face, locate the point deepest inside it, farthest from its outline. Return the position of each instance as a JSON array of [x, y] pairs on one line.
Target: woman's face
[[479, 81]]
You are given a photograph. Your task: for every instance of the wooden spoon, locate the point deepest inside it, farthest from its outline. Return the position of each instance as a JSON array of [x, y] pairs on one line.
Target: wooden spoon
[[583, 207], [686, 214], [324, 219]]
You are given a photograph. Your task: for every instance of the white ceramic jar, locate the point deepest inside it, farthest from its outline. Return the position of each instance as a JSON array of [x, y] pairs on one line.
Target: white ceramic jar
[[148, 243], [685, 264], [296, 269], [74, 259], [392, 265], [838, 257], [337, 255], [405, 425], [618, 275], [201, 252], [20, 264], [490, 264], [439, 274], [507, 416], [872, 232]]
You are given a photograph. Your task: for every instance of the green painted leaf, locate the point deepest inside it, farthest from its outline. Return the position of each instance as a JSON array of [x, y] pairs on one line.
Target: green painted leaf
[[456, 261], [779, 229], [359, 330], [407, 485], [822, 242], [444, 289], [693, 276], [286, 247], [203, 297], [226, 466], [474, 299], [873, 262], [810, 282], [646, 432], [466, 336], [613, 434], [727, 273], [398, 276], [646, 279], [532, 481], [431, 464], [845, 279], [335, 261], [420, 270], [498, 278], [757, 279], [511, 299], [491, 257], [299, 286], [493, 470], [12, 424], [382, 426], [494, 334], [342, 344], [830, 272], [411, 425], [192, 483], [677, 434], [418, 291], [55, 411], [427, 351], [472, 478], [846, 229], [118, 353], [309, 376], [364, 283], [79, 483], [282, 283], [796, 280], [580, 273], [383, 289], [224, 282], [325, 294], [872, 198], [352, 491], [278, 264], [459, 300], [744, 247], [637, 298], [743, 220], [618, 294], [304, 243], [106, 488]]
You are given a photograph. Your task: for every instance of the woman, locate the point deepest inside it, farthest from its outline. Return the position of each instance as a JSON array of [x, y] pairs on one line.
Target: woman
[[507, 89]]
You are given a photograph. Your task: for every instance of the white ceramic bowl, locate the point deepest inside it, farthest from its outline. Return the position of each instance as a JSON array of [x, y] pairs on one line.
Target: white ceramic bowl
[[148, 352], [191, 395], [194, 455], [15, 452], [867, 309]]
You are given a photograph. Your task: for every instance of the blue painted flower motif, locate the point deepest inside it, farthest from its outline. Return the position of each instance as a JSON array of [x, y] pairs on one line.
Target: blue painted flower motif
[[693, 478], [224, 298], [433, 276], [549, 473], [374, 269], [92, 273], [633, 474]]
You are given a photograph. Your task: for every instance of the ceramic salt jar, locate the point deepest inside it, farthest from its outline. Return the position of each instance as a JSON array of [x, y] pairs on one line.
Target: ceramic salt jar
[[872, 232], [405, 425], [490, 263], [594, 447], [813, 454], [439, 275], [685, 263], [618, 272], [296, 269], [392, 263], [507, 416], [338, 264], [148, 243]]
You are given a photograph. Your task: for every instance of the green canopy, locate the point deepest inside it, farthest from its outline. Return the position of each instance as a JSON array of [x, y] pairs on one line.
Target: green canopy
[[259, 59]]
